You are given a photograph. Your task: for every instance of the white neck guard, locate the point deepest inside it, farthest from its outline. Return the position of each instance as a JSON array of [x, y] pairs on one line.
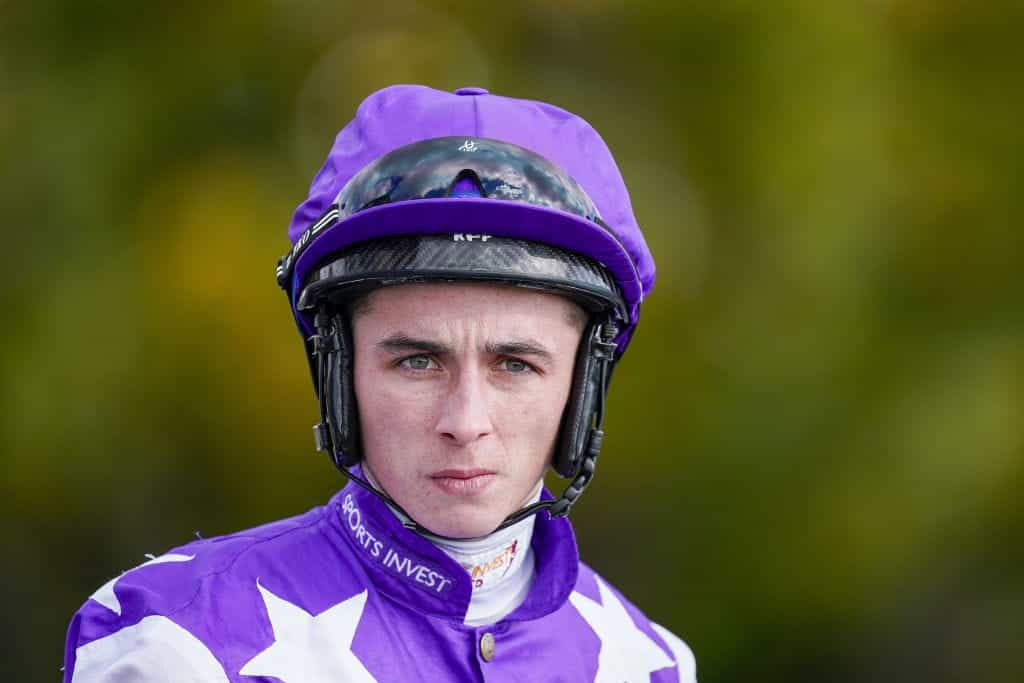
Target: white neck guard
[[501, 566]]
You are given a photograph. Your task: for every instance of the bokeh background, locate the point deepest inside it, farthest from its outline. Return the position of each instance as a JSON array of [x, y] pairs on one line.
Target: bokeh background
[[815, 447]]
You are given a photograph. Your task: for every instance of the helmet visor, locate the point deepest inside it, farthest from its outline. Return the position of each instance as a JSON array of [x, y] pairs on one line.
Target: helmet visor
[[441, 167]]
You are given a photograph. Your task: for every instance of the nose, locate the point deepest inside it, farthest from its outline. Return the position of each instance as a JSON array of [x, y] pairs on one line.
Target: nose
[[464, 414]]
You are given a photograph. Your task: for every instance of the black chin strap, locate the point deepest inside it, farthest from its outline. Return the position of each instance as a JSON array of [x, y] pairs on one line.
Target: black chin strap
[[326, 342]]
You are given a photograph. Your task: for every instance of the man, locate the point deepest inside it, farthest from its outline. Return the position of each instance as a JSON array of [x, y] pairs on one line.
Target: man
[[465, 272]]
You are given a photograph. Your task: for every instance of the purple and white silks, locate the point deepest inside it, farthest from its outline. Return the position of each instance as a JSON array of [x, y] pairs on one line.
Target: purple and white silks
[[345, 593]]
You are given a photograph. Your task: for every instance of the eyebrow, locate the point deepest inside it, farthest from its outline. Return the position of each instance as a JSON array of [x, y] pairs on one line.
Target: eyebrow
[[399, 342], [402, 342], [519, 348]]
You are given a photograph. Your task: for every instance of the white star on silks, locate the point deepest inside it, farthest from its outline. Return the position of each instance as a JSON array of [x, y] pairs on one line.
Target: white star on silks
[[308, 649], [105, 594], [627, 653]]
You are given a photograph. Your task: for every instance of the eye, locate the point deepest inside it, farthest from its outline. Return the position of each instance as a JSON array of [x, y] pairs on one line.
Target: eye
[[516, 366], [418, 363]]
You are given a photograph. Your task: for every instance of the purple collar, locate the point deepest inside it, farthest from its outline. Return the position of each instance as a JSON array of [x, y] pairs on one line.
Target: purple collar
[[413, 571]]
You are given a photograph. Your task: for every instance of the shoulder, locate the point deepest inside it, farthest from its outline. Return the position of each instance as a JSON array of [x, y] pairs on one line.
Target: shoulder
[[167, 583], [628, 634], [155, 650], [168, 609]]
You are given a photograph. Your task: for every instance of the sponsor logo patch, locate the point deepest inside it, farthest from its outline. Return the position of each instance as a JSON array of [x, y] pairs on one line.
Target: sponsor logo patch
[[494, 568], [395, 559]]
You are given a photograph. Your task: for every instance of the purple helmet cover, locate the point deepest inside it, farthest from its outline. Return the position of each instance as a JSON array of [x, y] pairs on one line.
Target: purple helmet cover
[[404, 114]]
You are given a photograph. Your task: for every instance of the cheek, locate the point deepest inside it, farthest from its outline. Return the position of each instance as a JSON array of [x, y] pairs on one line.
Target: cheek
[[535, 418], [388, 413]]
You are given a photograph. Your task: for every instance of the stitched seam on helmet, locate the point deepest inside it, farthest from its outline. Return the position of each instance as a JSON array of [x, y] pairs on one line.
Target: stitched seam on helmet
[[476, 115]]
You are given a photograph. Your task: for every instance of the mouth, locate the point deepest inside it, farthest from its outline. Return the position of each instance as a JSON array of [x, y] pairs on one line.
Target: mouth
[[463, 482]]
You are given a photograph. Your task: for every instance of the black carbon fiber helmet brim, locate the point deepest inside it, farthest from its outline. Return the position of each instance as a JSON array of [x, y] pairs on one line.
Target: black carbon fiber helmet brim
[[426, 258]]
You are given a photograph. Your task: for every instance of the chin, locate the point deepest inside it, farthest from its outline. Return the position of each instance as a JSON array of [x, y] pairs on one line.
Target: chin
[[467, 525], [463, 531]]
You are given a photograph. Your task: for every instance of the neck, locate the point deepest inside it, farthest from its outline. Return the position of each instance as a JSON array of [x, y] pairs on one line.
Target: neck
[[500, 564]]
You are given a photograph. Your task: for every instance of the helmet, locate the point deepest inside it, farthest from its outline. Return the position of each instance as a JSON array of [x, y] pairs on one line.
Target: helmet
[[426, 185]]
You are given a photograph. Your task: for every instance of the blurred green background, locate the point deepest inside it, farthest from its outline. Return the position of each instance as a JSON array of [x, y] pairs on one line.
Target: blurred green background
[[815, 446]]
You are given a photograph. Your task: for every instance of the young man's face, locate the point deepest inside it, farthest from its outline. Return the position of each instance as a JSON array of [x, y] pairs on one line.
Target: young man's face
[[461, 389]]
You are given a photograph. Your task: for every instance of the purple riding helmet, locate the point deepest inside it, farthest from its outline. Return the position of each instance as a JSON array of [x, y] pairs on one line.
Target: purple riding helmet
[[425, 185]]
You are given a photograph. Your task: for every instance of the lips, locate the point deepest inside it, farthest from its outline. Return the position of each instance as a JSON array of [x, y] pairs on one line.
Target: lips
[[461, 474], [459, 481]]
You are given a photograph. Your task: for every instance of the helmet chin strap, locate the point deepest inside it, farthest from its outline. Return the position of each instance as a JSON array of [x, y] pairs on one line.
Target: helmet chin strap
[[558, 507], [325, 343], [409, 523]]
